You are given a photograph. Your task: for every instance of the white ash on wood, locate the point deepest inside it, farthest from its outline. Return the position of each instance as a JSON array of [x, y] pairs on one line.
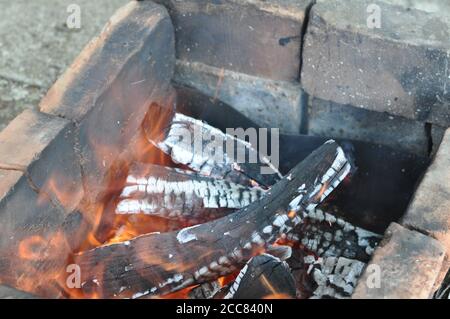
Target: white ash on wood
[[325, 235], [209, 151], [156, 264], [336, 277], [180, 194]]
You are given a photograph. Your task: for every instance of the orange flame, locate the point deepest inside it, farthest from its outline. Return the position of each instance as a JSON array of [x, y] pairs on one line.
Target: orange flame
[[322, 190], [42, 259]]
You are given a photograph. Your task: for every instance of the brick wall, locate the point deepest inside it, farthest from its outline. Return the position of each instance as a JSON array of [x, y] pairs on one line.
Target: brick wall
[[54, 163], [322, 65]]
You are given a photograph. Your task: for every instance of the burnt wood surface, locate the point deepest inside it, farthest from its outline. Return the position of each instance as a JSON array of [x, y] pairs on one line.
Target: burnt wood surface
[[264, 276], [193, 143], [162, 263]]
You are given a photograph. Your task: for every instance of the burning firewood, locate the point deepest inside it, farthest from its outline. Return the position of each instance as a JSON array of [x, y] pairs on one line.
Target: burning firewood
[[328, 236], [196, 144], [157, 264], [264, 276], [180, 194], [277, 254]]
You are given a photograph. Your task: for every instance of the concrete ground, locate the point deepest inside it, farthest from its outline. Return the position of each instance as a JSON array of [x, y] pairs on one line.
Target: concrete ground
[[36, 46]]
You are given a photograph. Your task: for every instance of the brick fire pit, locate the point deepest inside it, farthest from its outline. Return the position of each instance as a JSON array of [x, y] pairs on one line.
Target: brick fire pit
[[307, 67]]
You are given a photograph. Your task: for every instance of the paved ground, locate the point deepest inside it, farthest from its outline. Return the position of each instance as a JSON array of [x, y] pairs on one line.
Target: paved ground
[[36, 46]]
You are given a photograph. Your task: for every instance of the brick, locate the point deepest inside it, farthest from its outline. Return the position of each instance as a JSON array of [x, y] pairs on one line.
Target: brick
[[443, 280], [266, 102], [109, 87], [11, 293], [256, 37], [436, 134], [329, 119], [40, 188], [43, 148], [8, 179], [436, 6], [409, 263], [400, 68], [429, 211], [32, 129], [440, 111]]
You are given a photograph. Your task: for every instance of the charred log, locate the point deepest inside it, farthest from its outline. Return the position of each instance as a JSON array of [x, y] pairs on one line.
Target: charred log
[[328, 236], [163, 263], [205, 291], [304, 282], [444, 291], [279, 251], [264, 276], [180, 194], [211, 152]]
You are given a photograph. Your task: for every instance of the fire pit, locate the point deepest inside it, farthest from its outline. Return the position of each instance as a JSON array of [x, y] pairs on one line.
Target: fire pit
[[153, 168]]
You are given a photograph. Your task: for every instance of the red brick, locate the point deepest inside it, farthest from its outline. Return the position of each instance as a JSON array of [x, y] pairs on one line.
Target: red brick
[[109, 87], [266, 102], [409, 264], [42, 146], [429, 211], [261, 38], [38, 165], [10, 293], [399, 68]]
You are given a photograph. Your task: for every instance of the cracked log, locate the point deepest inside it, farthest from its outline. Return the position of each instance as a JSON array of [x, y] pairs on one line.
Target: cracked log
[[182, 195], [209, 151], [264, 276], [163, 263]]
